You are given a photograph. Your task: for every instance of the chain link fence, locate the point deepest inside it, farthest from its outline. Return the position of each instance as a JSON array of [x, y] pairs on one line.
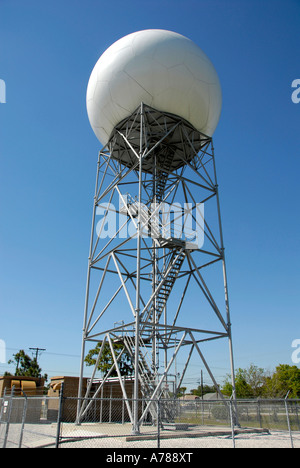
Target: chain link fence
[[34, 422], [26, 422]]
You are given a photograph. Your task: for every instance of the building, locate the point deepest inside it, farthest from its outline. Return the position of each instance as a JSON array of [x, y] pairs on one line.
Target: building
[[108, 406], [23, 389], [31, 386]]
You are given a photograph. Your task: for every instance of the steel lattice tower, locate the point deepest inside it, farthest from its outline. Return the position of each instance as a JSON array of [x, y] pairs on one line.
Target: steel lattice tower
[[147, 261]]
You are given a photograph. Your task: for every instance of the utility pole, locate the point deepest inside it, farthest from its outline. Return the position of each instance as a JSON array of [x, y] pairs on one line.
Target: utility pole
[[37, 352]]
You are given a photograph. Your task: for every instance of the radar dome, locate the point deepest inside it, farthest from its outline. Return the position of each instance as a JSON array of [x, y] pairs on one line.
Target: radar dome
[[162, 69]]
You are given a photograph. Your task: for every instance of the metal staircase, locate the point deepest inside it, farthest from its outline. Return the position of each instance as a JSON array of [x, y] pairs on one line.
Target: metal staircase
[[148, 381], [160, 232], [166, 159], [148, 374], [168, 278], [165, 280], [147, 377]]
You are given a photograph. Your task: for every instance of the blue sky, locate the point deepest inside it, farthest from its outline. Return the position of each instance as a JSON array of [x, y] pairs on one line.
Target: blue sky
[[48, 155]]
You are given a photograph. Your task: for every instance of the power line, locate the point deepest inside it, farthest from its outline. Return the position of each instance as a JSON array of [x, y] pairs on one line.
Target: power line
[[48, 353]]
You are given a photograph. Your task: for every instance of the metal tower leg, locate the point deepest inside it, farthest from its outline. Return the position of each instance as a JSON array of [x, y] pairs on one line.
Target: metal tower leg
[[135, 428]]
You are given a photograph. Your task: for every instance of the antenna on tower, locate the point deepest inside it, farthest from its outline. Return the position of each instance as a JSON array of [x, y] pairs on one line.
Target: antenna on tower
[[154, 101]]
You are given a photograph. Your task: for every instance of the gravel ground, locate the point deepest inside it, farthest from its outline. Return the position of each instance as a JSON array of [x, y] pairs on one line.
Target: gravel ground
[[116, 436], [274, 440]]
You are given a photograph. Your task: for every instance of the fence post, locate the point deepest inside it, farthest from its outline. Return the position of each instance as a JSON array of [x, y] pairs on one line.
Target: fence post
[[8, 416], [288, 418], [297, 415], [23, 418], [259, 413], [232, 420], [59, 415], [2, 406]]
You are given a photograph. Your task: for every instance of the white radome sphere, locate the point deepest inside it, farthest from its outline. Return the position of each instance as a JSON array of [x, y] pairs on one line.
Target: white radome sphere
[[162, 69]]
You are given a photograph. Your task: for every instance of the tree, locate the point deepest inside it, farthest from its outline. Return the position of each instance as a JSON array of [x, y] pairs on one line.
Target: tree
[[285, 379], [249, 383], [26, 366], [181, 392], [255, 382], [106, 361]]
